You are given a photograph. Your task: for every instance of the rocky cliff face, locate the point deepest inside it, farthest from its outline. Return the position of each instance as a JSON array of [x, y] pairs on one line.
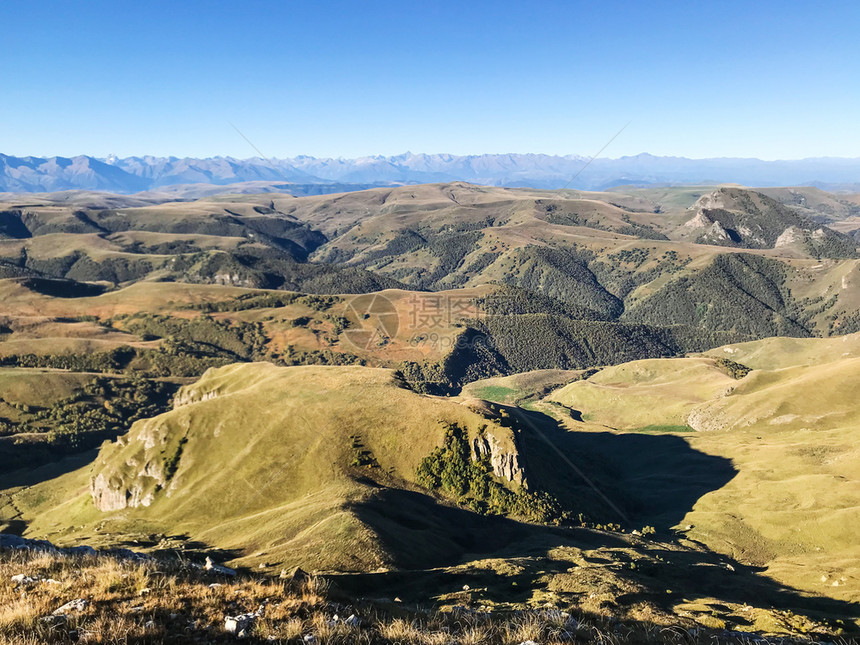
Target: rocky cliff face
[[748, 219], [112, 493], [506, 462], [130, 471], [187, 396]]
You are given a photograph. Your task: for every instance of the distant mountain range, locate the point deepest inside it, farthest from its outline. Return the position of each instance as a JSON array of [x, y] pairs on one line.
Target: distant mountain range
[[136, 174]]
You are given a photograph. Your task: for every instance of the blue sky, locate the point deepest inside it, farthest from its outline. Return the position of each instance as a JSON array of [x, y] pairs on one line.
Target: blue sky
[[774, 80]]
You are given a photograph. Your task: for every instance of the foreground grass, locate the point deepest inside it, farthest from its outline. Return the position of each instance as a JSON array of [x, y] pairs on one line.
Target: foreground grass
[[161, 602]]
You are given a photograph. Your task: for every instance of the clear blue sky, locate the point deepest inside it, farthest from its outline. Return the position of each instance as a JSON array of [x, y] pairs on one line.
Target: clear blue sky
[[698, 79]]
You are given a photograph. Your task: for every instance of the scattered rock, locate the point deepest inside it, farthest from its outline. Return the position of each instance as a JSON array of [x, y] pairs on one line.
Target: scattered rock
[[295, 575], [352, 621], [240, 625], [81, 550], [54, 620], [24, 579], [128, 554], [217, 568], [748, 637], [79, 604], [10, 541]]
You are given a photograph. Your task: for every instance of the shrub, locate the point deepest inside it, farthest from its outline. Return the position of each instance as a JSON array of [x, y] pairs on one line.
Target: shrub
[[735, 370], [450, 468]]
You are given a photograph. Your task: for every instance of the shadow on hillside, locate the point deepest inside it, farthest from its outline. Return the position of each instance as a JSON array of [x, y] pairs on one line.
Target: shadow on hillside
[[30, 464], [451, 555], [24, 476], [13, 526], [186, 549], [661, 577], [629, 479], [61, 288], [419, 532], [653, 480]]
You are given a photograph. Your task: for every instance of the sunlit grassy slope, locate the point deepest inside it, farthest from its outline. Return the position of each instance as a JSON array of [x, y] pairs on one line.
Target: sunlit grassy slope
[[776, 353], [791, 428], [519, 387], [316, 466], [642, 393], [264, 461]]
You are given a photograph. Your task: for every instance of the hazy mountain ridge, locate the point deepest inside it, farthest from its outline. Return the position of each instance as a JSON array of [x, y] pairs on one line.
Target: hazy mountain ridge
[[135, 174]]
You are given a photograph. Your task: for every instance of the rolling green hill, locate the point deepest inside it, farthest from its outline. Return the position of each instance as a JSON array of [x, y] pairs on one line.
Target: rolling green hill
[[789, 427], [325, 468], [276, 461], [479, 386]]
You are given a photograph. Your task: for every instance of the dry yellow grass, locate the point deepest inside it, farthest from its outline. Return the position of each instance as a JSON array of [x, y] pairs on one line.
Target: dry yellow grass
[[778, 353], [645, 393], [136, 602], [132, 603]]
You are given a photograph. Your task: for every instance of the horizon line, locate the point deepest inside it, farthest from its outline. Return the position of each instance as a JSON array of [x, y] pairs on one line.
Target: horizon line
[[569, 156]]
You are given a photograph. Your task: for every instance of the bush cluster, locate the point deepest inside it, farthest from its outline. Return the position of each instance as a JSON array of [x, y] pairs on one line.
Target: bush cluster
[[450, 468], [103, 409], [735, 370]]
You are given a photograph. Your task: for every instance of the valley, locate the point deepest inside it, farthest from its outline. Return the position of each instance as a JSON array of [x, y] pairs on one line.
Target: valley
[[637, 404]]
